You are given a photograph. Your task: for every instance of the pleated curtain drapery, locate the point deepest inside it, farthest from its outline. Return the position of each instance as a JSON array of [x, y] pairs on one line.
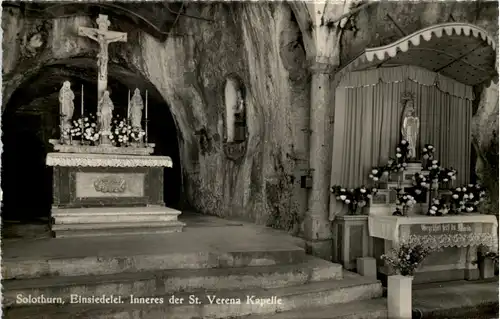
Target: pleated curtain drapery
[[367, 115]]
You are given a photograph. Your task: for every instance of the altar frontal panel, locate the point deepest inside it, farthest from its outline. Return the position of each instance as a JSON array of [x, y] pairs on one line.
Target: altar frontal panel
[[96, 185], [76, 187]]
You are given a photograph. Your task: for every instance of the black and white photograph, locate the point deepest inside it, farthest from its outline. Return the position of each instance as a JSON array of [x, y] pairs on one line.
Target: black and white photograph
[[329, 159]]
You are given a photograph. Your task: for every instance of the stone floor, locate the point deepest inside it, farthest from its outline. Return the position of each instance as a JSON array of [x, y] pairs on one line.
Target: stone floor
[[457, 299], [201, 233], [462, 299]]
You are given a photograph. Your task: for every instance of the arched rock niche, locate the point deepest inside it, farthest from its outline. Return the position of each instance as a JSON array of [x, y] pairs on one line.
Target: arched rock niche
[[235, 124]]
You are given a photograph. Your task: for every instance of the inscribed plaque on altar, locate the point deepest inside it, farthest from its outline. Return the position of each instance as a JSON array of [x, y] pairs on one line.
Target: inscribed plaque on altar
[[441, 229], [109, 185]]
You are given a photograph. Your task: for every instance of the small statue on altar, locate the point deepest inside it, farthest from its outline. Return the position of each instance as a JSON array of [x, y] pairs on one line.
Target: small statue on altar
[[410, 125], [105, 112], [67, 107], [136, 106]]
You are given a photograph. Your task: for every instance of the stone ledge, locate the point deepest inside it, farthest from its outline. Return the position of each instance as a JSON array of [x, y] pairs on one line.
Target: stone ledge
[[102, 149], [106, 160]]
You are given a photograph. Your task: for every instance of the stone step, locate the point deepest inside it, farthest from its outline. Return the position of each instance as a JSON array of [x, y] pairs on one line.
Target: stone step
[[109, 229], [171, 281], [114, 215], [230, 303], [151, 259], [359, 309]]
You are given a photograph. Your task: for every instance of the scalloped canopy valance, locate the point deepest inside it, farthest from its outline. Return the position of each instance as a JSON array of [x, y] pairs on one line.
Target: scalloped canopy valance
[[460, 51]]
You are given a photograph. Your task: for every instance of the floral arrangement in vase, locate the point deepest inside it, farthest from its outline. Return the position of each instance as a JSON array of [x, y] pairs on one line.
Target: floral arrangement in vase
[[120, 132], [434, 171], [356, 199], [66, 134], [404, 200], [467, 199], [438, 207], [420, 184], [406, 259], [486, 253], [88, 126], [76, 129], [427, 155], [136, 135]]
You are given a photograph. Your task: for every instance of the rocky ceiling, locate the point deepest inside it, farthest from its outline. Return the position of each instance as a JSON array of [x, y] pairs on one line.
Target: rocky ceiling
[[155, 18]]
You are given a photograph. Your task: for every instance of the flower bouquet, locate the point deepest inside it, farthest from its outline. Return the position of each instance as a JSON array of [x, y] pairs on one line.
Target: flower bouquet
[[356, 199], [421, 184], [434, 172], [76, 131], [438, 207], [406, 201], [446, 176], [136, 135], [427, 155], [379, 174], [66, 135], [467, 199], [406, 258], [120, 132], [89, 128]]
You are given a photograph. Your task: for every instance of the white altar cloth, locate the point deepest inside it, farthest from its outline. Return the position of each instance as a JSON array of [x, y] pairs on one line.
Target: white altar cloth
[[459, 230]]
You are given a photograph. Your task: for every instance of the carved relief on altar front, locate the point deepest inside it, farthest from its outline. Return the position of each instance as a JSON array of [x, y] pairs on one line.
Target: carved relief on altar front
[[95, 185], [110, 184], [235, 121]]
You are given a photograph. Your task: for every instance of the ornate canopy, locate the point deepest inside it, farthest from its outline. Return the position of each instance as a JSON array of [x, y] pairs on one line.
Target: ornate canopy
[[461, 51]]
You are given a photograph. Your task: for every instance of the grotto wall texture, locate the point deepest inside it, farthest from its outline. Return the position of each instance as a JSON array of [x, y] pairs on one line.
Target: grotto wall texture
[[262, 44], [259, 43]]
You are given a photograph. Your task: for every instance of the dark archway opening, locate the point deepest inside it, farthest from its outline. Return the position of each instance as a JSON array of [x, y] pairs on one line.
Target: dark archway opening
[[31, 118]]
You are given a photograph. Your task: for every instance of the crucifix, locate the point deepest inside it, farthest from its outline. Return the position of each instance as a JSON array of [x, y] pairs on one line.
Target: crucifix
[[104, 37]]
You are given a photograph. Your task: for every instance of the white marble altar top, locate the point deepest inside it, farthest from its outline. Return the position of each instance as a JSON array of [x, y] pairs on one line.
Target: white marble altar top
[[106, 160], [388, 227]]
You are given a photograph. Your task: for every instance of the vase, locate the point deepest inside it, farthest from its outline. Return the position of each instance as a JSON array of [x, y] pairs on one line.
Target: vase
[[405, 210], [486, 267], [399, 296]]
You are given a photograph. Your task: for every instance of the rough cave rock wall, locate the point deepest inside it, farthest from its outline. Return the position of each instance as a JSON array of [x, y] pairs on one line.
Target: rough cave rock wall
[[260, 44]]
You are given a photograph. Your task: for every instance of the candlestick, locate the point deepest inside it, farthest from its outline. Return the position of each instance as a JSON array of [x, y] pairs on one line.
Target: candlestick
[[82, 100], [146, 119], [128, 107]]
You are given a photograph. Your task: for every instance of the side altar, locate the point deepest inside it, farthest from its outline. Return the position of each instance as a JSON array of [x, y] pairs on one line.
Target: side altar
[[105, 180], [413, 200]]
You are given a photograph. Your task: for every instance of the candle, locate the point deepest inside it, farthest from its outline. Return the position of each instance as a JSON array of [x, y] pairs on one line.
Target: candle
[[128, 107], [146, 119], [82, 100]]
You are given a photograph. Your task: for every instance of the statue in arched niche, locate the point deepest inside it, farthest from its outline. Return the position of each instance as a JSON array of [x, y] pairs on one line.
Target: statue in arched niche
[[235, 108], [410, 124]]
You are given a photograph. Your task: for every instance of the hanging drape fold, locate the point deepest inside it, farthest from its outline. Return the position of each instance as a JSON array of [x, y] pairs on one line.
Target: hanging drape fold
[[408, 72], [367, 118]]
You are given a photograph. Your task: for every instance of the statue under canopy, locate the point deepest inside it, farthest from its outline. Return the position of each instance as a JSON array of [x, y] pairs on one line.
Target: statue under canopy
[[135, 111], [410, 124], [67, 107]]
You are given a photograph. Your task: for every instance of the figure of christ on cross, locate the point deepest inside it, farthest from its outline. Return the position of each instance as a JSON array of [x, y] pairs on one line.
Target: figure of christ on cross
[[104, 37]]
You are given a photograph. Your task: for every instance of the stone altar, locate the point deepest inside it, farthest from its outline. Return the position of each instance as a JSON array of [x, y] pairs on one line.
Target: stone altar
[[102, 189], [104, 194]]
